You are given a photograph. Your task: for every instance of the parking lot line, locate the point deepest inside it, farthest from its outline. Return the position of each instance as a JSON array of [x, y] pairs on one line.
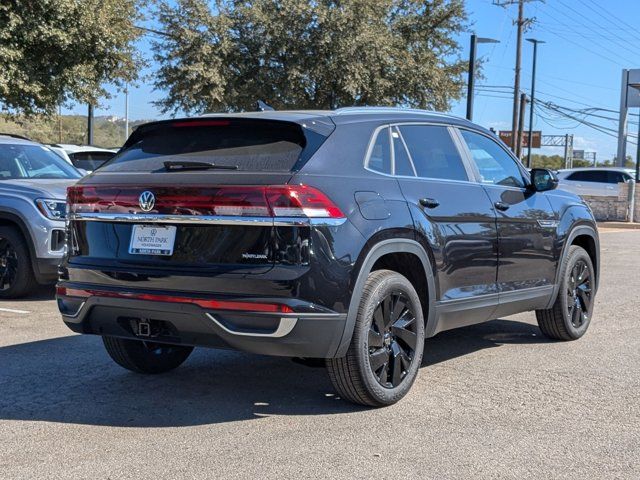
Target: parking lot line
[[12, 310]]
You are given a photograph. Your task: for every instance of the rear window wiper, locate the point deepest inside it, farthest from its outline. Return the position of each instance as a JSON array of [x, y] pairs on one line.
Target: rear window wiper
[[181, 165]]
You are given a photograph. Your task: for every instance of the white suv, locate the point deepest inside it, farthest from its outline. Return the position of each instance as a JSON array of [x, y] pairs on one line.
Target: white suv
[[593, 181]]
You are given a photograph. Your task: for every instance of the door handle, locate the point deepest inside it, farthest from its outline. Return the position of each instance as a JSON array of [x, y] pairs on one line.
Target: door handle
[[429, 202], [502, 206]]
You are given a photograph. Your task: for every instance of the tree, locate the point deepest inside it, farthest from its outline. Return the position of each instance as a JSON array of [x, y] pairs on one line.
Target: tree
[[56, 51], [309, 54]]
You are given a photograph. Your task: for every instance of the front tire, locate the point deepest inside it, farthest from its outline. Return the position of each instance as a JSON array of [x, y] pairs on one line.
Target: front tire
[[386, 349], [145, 357], [16, 272], [570, 315]]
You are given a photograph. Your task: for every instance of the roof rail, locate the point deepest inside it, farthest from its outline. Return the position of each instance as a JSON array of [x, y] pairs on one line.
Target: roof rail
[[414, 111], [15, 135]]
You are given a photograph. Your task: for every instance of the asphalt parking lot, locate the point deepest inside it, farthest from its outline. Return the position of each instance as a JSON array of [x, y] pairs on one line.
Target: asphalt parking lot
[[492, 401]]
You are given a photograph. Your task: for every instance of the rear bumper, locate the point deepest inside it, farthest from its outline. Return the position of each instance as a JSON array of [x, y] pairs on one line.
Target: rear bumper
[[308, 333]]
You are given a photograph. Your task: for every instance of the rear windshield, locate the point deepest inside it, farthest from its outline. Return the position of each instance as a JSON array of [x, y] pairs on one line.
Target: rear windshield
[[247, 145]]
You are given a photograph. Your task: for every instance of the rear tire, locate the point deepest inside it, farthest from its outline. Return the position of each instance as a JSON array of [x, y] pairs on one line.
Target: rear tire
[[145, 357], [386, 349], [16, 273], [570, 315]]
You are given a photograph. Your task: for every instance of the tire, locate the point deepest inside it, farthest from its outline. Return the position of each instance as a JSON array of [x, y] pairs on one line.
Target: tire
[[382, 335], [16, 272], [570, 315], [145, 357]]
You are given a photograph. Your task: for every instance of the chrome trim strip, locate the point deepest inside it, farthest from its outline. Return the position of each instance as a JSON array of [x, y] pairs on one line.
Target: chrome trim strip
[[548, 223], [284, 328], [75, 315], [205, 219]]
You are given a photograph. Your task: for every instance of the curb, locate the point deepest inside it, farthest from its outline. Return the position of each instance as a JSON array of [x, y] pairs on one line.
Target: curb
[[622, 225]]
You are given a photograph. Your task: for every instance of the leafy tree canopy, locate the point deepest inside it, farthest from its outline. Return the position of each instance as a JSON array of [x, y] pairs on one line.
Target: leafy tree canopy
[[53, 51], [309, 54]]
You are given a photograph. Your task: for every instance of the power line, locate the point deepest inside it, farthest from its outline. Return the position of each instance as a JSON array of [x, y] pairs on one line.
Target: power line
[[623, 44], [617, 21], [582, 46]]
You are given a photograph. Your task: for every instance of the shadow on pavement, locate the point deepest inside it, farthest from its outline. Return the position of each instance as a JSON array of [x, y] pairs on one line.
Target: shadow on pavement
[[72, 380], [41, 292]]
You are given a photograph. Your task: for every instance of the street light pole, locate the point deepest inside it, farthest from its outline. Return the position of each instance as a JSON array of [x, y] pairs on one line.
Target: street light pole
[[471, 81], [472, 70], [533, 96]]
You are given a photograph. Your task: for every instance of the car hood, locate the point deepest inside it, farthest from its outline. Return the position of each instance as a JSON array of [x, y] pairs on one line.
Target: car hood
[[37, 187]]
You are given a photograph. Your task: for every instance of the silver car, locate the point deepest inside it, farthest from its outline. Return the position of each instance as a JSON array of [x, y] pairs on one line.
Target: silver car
[[33, 184], [593, 181]]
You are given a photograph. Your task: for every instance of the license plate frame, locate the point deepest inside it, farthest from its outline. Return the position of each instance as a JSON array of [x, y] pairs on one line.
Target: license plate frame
[[156, 240]]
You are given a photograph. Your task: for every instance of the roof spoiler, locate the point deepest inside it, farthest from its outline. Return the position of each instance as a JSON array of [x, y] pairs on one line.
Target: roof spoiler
[[15, 135]]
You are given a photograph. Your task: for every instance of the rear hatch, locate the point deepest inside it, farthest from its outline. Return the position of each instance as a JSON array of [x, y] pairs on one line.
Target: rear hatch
[[200, 196]]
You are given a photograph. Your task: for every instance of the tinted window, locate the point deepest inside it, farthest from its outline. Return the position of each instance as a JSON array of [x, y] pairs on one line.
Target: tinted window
[[250, 145], [33, 161], [90, 160], [494, 164], [433, 152], [617, 177], [380, 156], [402, 163], [589, 176]]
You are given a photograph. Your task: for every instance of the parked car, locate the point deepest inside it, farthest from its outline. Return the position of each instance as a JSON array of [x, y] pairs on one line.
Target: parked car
[[347, 235], [33, 183], [599, 181], [84, 157]]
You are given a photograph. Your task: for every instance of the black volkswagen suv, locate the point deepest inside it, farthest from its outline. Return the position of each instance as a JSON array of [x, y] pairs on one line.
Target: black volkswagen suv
[[347, 235]]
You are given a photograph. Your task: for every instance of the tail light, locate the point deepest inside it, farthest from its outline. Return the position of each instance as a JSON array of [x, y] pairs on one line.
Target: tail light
[[253, 201]]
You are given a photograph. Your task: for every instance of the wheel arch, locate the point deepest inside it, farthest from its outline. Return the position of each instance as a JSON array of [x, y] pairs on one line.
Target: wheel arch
[[583, 235], [375, 259]]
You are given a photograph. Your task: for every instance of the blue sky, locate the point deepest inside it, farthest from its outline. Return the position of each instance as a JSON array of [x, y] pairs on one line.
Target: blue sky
[[588, 43]]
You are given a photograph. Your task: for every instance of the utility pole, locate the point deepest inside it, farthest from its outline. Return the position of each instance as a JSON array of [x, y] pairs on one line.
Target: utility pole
[[516, 83], [521, 24]]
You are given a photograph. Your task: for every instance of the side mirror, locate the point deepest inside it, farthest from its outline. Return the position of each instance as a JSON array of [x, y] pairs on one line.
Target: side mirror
[[543, 179]]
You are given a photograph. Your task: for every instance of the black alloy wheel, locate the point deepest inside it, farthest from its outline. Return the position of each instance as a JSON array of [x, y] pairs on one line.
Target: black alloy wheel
[[392, 339], [385, 352], [579, 294], [16, 272], [8, 264], [570, 315]]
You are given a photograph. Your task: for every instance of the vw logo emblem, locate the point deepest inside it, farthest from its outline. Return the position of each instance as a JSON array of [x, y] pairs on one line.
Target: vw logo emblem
[[147, 201]]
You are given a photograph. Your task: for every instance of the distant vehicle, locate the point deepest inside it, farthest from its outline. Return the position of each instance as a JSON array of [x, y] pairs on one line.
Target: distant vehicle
[[85, 157], [597, 181], [33, 184]]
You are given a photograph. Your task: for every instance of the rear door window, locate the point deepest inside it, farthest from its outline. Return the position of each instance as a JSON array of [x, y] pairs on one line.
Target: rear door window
[[402, 163], [433, 152], [241, 144], [617, 177], [380, 155]]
